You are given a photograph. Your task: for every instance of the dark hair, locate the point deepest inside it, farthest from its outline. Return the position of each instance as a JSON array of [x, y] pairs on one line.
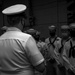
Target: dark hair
[[15, 18]]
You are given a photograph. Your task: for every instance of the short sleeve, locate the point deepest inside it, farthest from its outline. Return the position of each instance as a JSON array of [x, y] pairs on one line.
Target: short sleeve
[[65, 55], [65, 50], [33, 53]]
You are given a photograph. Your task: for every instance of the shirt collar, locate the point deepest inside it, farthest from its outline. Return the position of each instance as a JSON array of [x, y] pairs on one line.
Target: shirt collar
[[13, 29]]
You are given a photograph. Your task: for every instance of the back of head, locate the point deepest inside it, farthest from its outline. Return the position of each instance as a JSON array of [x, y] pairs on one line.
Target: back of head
[[14, 13]]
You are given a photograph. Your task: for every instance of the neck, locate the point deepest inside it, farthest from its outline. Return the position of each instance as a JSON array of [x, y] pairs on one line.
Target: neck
[[52, 36], [19, 26]]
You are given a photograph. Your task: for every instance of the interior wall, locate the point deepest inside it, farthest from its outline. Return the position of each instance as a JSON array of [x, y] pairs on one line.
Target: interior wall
[[46, 12], [49, 12]]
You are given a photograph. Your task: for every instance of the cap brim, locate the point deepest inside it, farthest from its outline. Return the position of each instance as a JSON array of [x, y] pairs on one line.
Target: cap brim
[[15, 9]]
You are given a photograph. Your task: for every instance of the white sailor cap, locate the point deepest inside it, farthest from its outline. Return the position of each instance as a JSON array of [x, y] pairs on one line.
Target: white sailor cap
[[14, 9], [64, 27], [72, 26], [31, 31], [52, 27], [4, 28]]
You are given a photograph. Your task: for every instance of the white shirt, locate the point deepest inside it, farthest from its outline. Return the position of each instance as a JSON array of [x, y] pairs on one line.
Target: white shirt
[[15, 57]]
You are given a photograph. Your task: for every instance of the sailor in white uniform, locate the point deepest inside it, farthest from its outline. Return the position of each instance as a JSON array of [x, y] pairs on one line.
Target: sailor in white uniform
[[19, 54]]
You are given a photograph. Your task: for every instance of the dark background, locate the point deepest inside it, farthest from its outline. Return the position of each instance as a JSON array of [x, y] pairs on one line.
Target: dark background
[[41, 14]]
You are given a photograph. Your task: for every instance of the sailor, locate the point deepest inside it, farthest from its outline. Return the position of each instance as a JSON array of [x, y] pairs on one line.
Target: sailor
[[41, 45], [69, 51], [59, 49], [19, 54], [51, 42]]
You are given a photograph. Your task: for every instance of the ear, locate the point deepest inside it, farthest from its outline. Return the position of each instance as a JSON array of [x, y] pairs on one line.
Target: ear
[[23, 21]]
